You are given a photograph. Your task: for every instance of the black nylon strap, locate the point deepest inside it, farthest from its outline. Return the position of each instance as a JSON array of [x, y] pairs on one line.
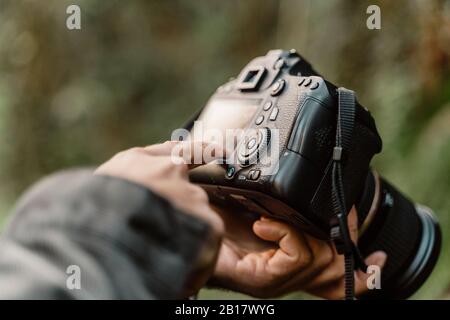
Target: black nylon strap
[[344, 131], [346, 118], [339, 229]]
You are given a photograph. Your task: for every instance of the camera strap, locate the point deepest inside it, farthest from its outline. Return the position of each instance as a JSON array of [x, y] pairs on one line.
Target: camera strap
[[339, 227]]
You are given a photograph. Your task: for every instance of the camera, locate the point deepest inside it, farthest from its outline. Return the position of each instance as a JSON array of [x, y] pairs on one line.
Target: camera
[[288, 118]]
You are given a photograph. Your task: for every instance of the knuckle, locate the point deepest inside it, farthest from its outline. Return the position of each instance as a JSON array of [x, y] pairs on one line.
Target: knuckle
[[135, 150], [178, 163], [172, 164], [199, 194], [124, 156], [167, 169], [304, 259], [182, 168], [128, 154]]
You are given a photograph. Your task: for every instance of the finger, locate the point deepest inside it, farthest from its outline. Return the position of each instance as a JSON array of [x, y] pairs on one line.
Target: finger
[[161, 149], [167, 167], [335, 289], [329, 277], [377, 258], [293, 253], [322, 251], [329, 266], [195, 153], [333, 275], [191, 199], [210, 216], [323, 255], [352, 222]]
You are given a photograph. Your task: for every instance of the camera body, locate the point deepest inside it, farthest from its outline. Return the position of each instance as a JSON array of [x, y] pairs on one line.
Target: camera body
[[288, 114]]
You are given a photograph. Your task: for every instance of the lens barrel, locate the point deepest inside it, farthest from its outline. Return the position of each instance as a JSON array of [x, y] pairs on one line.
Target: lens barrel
[[408, 233]]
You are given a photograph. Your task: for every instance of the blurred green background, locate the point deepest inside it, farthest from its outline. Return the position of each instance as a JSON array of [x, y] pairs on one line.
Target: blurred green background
[[137, 69]]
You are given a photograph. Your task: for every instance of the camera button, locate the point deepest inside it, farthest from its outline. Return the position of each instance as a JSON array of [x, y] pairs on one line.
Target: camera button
[[230, 171], [280, 63], [249, 147], [273, 114], [251, 143], [259, 120], [253, 174], [247, 156], [314, 86], [278, 87], [267, 105], [307, 82]]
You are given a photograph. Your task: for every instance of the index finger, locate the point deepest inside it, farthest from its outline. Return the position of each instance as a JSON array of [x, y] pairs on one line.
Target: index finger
[[194, 153]]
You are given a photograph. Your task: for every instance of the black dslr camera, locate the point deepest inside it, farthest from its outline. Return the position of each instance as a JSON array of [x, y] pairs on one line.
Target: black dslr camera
[[303, 156]]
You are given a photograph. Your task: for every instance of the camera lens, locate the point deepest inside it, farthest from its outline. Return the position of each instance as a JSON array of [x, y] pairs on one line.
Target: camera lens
[[410, 236]]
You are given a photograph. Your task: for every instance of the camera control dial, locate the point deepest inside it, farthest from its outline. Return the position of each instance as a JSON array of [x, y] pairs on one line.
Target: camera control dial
[[253, 146]]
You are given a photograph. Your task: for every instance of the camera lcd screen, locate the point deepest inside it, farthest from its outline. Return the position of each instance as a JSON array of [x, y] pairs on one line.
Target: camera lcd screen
[[222, 117]]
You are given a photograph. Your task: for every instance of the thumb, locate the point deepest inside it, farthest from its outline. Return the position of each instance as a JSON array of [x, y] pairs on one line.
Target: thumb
[[293, 251], [270, 230]]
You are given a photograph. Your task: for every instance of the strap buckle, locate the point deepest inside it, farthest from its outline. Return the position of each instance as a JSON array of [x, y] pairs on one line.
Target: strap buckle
[[337, 153], [340, 235]]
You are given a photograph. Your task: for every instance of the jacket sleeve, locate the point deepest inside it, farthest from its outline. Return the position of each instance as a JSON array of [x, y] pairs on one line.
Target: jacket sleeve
[[79, 236]]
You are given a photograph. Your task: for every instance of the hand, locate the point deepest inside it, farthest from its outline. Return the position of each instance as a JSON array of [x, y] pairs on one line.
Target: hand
[[157, 168], [276, 259]]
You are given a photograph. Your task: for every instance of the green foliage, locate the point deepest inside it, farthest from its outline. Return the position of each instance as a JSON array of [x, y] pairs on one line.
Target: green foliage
[[138, 69]]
